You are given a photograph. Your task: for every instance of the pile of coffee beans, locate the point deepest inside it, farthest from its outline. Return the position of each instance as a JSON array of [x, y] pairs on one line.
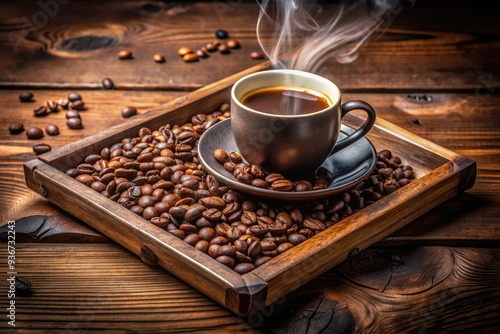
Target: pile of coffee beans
[[158, 176], [255, 176], [394, 174]]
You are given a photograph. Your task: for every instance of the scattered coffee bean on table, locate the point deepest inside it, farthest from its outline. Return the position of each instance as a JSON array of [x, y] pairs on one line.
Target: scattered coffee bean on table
[[201, 53], [53, 106], [41, 148], [74, 123], [129, 112], [52, 130], [64, 103], [41, 111], [159, 58], [233, 44], [77, 105], [158, 176], [190, 57], [16, 128], [34, 133], [184, 51], [72, 114], [73, 96], [125, 54], [107, 83], [222, 34], [223, 48], [26, 97], [257, 55]]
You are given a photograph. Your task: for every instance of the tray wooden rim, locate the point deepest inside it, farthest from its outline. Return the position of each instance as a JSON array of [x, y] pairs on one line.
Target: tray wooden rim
[[244, 294]]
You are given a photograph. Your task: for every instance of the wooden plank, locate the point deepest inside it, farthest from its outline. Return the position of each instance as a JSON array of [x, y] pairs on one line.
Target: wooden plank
[[82, 38], [103, 287]]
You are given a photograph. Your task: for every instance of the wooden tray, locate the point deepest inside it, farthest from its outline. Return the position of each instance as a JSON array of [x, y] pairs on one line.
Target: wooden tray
[[440, 174]]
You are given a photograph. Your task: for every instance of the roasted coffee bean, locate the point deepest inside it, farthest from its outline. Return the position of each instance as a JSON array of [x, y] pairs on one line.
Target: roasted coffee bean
[[282, 185], [159, 221], [16, 128], [303, 186], [385, 153], [227, 250], [107, 83], [72, 114], [221, 156], [77, 105], [222, 34], [159, 58], [149, 213], [74, 123], [98, 186], [391, 185], [74, 96], [314, 224], [34, 133], [202, 53], [226, 260], [26, 97], [190, 57], [259, 183], [41, 148], [223, 48], [403, 182], [192, 239], [408, 174], [52, 130], [125, 54], [41, 111], [202, 246], [273, 177], [256, 55], [53, 106], [233, 44], [129, 112], [296, 239], [85, 179], [184, 51], [211, 47], [64, 103], [244, 267]]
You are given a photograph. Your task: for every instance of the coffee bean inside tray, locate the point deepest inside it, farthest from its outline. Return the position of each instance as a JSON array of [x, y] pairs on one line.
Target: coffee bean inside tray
[[158, 176]]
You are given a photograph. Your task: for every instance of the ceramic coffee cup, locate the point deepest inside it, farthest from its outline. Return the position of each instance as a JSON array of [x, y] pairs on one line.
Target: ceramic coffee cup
[[292, 142]]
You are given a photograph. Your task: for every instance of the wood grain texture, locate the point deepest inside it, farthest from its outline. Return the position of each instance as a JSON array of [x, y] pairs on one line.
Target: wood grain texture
[[409, 306], [452, 52], [105, 288], [448, 50]]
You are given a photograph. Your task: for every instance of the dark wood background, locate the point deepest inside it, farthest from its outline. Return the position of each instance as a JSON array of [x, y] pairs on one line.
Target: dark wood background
[[438, 274]]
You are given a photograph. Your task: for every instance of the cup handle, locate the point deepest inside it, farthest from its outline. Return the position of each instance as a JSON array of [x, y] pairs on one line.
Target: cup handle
[[363, 129]]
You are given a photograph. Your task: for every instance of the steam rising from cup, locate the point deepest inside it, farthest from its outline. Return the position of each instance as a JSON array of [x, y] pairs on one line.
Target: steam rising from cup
[[308, 41]]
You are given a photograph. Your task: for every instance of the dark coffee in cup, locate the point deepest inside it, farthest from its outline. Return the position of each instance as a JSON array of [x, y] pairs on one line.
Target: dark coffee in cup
[[285, 100], [291, 142]]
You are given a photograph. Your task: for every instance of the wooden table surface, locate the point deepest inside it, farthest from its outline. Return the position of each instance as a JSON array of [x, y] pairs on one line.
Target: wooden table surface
[[435, 72]]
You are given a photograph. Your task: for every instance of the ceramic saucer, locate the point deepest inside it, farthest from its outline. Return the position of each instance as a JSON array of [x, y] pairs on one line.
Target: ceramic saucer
[[348, 166]]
